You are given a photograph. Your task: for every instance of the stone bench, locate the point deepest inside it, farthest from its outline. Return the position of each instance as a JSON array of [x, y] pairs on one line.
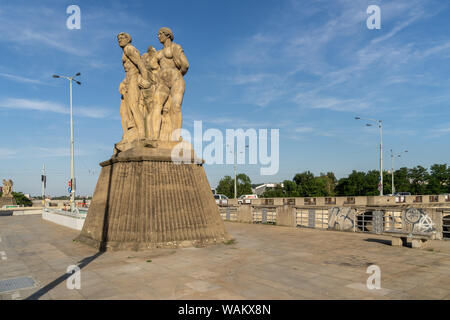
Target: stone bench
[[418, 239]]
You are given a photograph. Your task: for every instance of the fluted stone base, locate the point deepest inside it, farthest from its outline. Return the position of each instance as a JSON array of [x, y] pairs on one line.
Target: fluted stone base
[[144, 200]]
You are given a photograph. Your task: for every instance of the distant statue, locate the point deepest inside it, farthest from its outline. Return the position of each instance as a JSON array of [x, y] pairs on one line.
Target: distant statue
[[7, 188], [170, 65], [133, 124]]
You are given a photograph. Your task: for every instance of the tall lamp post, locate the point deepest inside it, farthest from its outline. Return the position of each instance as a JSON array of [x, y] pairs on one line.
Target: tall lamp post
[[392, 167], [235, 175], [380, 126], [72, 178]]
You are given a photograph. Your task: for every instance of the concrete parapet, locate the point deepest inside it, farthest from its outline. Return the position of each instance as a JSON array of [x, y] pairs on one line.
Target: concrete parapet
[[377, 200], [299, 201], [361, 201], [244, 213], [75, 222], [320, 201], [340, 201], [278, 201], [256, 201], [286, 216]]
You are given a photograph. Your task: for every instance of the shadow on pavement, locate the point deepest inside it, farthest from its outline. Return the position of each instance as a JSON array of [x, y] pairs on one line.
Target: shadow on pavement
[[382, 241], [83, 263]]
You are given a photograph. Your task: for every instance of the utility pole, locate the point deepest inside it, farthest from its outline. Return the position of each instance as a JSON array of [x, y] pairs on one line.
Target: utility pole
[[44, 183], [392, 172], [380, 126], [381, 156], [72, 175], [392, 165], [235, 179], [235, 170]]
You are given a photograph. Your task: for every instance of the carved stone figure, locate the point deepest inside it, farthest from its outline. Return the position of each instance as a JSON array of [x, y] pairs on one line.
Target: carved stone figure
[[132, 115], [152, 76], [151, 93], [7, 188], [171, 65], [146, 198]]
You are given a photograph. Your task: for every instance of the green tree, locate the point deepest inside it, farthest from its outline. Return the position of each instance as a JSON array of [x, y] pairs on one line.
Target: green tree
[[325, 184], [290, 189], [226, 185], [439, 179], [21, 199], [244, 185], [401, 180], [353, 185], [419, 178], [305, 183], [276, 192]]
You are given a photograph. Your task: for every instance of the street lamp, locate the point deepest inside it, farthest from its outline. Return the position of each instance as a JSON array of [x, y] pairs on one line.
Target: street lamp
[[235, 179], [380, 126], [392, 167], [72, 178]]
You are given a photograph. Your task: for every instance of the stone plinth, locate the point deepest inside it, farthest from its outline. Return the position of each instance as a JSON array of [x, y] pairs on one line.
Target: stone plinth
[[144, 200], [7, 201]]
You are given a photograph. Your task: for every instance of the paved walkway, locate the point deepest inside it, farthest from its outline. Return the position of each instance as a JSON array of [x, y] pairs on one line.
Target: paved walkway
[[266, 262]]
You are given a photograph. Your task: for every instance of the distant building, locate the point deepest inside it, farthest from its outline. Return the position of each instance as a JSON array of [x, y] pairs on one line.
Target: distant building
[[259, 190]]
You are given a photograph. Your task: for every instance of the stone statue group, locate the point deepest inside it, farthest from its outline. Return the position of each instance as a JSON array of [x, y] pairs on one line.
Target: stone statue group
[[152, 91], [7, 188]]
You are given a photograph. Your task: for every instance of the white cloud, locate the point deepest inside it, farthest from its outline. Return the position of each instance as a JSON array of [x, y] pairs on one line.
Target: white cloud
[[315, 101], [6, 153], [21, 79], [37, 105], [439, 132], [50, 106], [304, 129], [334, 55]]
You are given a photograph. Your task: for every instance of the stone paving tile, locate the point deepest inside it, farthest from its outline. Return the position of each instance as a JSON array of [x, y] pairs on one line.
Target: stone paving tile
[[427, 292], [266, 262]]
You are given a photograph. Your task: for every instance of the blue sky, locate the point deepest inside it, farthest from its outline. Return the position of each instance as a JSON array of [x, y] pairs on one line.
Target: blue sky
[[304, 67]]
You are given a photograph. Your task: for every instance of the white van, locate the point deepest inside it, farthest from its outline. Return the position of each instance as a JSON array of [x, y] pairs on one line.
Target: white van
[[246, 198], [221, 199]]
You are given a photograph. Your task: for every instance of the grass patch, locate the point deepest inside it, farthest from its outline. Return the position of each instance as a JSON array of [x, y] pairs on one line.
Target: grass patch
[[148, 260], [228, 242]]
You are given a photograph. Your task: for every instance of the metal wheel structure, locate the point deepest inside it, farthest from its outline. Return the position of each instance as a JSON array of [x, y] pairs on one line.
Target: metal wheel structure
[[413, 215]]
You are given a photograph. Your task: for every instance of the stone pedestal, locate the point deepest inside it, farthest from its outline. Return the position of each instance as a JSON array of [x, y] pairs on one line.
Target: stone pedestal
[[7, 201], [144, 200]]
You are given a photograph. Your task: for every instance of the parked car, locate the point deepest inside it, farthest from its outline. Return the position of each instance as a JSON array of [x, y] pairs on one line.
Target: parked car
[[246, 198], [402, 194], [221, 199]]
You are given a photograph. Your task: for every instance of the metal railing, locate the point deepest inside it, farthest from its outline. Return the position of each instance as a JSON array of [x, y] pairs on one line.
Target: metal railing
[[264, 215], [369, 220], [228, 213], [312, 218], [446, 225]]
